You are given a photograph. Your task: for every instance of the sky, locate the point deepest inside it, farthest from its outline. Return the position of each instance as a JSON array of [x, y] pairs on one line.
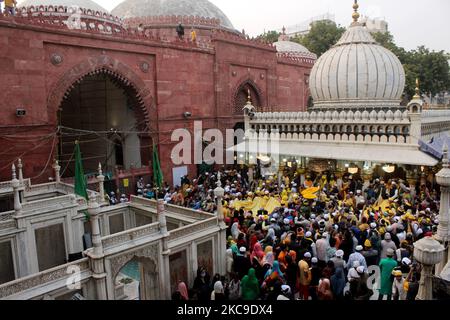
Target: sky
[[412, 22]]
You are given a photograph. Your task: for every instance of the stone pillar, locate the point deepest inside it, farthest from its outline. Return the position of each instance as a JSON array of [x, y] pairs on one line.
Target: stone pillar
[[57, 169], [20, 166], [97, 255], [101, 184], [250, 174], [16, 185], [165, 274], [219, 192], [428, 252], [443, 179]]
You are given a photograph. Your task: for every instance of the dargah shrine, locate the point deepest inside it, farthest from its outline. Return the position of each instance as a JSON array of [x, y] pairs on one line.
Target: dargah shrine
[[119, 83], [147, 81]]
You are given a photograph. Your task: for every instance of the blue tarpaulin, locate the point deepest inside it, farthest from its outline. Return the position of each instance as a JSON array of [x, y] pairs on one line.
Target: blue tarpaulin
[[436, 146]]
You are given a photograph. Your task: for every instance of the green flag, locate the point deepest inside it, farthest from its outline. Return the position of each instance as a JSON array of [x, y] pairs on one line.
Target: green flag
[[80, 179], [157, 172]]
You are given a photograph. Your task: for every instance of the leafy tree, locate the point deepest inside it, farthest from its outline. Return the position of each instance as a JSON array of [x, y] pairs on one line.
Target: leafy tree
[[270, 36], [430, 67], [321, 37]]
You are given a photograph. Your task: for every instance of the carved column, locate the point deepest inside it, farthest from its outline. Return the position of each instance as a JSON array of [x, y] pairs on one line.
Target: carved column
[[443, 233], [16, 184], [101, 184], [219, 192], [165, 274], [57, 169], [97, 255], [20, 166], [428, 252], [250, 174]]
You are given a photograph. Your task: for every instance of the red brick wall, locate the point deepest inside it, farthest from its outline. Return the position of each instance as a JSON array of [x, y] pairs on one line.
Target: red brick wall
[[178, 80]]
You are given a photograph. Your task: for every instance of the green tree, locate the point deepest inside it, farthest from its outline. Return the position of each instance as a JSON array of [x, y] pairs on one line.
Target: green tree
[[270, 36], [321, 37], [431, 67]]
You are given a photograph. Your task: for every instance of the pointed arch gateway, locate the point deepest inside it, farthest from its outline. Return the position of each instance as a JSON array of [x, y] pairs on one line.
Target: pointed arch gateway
[[241, 94], [105, 105]]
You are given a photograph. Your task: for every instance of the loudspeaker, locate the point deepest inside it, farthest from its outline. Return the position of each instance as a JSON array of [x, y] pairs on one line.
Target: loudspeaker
[[21, 112]]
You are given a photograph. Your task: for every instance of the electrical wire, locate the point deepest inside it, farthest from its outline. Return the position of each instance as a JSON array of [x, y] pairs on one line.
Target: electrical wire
[[49, 158]]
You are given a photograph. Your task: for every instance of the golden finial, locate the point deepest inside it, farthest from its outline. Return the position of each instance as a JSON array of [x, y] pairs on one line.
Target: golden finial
[[417, 95], [249, 97], [284, 30], [355, 14]]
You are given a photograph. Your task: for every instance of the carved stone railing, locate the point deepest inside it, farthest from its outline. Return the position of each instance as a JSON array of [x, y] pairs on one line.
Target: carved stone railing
[[130, 235], [8, 224], [42, 278], [46, 204], [5, 216], [65, 11], [384, 127], [42, 188], [192, 229], [6, 186], [90, 25], [172, 21], [194, 214], [223, 35]]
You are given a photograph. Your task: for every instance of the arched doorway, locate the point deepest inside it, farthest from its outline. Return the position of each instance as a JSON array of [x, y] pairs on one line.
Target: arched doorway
[[137, 280], [104, 114], [241, 97]]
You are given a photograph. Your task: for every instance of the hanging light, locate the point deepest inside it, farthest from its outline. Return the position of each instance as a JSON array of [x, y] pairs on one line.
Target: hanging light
[[389, 168], [353, 169]]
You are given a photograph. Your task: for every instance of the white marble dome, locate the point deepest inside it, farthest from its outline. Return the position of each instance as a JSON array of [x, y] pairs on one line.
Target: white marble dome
[[290, 47], [285, 46], [84, 4], [149, 8], [357, 72]]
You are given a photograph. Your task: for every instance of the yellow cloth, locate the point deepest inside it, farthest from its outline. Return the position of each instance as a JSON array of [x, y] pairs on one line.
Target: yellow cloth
[[272, 204], [10, 3], [310, 190], [193, 35]]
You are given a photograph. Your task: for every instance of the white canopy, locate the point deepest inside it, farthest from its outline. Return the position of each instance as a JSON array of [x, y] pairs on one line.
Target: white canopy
[[352, 151]]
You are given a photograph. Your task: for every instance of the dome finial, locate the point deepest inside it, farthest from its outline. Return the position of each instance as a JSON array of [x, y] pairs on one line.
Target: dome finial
[[417, 95], [355, 14], [249, 98]]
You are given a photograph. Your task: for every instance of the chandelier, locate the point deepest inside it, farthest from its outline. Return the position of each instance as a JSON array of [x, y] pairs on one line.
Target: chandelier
[[353, 169], [389, 168]]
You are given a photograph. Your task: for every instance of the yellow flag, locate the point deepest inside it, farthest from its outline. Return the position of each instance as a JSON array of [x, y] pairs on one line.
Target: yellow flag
[[272, 204]]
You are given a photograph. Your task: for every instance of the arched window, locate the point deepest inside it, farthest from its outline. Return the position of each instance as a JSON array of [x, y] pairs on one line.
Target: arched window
[[241, 98]]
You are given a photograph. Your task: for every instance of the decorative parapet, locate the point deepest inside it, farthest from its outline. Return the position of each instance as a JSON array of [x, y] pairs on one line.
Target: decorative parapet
[[5, 216], [94, 24], [66, 12], [46, 205], [240, 39], [297, 58], [8, 224], [42, 278], [376, 126], [130, 235], [159, 21], [6, 186], [192, 229], [435, 122], [435, 115], [194, 214]]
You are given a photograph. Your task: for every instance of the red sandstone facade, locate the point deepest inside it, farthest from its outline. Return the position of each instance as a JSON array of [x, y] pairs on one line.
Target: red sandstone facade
[[41, 60]]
